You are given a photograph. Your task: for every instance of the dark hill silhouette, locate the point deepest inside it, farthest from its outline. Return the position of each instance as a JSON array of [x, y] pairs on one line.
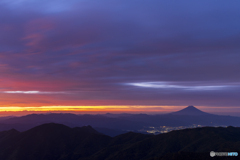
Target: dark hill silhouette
[[59, 142], [190, 111], [53, 141]]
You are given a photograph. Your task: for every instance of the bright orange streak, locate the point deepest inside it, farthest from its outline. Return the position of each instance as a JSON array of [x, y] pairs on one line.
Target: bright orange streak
[[14, 111], [79, 108]]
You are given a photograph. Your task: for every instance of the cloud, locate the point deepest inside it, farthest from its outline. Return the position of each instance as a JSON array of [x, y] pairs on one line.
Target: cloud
[[32, 92]]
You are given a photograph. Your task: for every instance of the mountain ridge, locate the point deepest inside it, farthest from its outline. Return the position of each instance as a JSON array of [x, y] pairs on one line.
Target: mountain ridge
[[60, 142], [116, 125]]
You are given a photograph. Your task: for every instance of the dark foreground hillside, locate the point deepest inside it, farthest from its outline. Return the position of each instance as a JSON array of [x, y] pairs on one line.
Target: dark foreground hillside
[[59, 142]]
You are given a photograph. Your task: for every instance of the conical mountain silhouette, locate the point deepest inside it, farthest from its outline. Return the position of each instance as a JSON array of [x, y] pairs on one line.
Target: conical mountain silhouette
[[190, 110]]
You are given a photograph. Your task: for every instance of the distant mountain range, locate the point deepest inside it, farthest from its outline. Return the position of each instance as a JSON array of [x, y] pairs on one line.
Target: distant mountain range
[[59, 142], [115, 124]]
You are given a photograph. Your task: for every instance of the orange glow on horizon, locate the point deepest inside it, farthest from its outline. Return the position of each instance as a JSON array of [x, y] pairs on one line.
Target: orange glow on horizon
[[18, 110]]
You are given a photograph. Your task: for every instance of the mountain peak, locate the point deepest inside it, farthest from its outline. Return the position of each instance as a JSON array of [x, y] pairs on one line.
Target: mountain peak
[[191, 107], [190, 110]]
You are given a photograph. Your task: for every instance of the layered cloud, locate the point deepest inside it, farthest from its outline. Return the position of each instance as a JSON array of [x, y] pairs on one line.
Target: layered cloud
[[187, 86], [93, 48]]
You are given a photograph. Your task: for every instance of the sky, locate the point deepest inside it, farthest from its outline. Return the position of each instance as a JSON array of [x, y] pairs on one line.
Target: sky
[[119, 55]]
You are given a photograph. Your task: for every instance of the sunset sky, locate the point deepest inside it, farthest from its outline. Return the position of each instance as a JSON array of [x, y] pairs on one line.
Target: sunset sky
[[138, 56]]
